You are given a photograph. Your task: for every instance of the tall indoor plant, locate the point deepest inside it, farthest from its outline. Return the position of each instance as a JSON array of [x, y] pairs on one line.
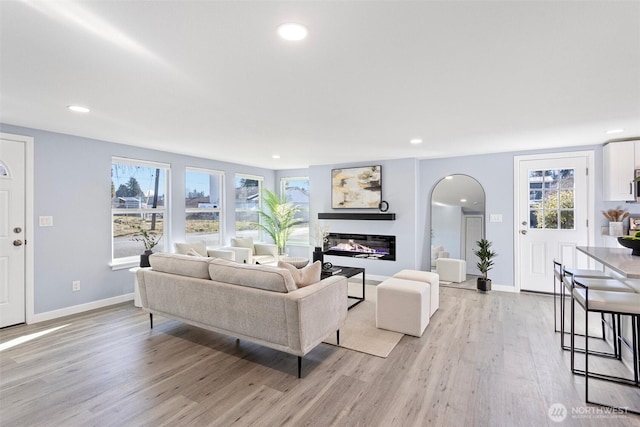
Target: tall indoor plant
[[485, 263], [278, 219]]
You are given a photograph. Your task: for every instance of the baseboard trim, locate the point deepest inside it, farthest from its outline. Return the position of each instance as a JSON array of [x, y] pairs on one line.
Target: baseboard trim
[[503, 288], [81, 308]]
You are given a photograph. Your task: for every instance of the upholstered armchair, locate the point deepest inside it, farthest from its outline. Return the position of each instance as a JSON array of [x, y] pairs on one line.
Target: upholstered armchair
[[250, 252]]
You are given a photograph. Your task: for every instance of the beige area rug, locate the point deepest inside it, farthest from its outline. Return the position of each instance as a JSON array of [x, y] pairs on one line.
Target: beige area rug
[[359, 332]]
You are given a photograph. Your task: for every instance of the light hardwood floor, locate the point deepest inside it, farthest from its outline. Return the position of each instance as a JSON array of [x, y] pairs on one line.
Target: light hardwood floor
[[485, 360]]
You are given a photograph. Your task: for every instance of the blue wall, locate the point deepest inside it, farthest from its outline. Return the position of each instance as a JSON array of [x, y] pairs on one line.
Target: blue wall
[[72, 178], [72, 181]]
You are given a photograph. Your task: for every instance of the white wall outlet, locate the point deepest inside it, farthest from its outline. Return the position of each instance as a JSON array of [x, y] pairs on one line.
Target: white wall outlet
[[75, 285], [45, 221]]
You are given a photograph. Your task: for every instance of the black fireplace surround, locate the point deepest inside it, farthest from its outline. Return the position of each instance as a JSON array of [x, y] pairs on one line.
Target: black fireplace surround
[[368, 246]]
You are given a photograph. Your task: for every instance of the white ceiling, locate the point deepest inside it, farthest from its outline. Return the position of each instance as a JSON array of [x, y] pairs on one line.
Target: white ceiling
[[212, 79]]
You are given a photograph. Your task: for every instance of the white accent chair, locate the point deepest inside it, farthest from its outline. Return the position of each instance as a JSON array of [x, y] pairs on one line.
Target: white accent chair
[[249, 252], [451, 270], [437, 252], [406, 301]]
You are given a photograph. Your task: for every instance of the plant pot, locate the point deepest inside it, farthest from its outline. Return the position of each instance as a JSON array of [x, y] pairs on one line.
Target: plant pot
[[484, 285], [318, 255], [144, 259]]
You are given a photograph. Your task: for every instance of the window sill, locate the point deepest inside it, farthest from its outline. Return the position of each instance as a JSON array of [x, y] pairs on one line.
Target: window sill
[[122, 265]]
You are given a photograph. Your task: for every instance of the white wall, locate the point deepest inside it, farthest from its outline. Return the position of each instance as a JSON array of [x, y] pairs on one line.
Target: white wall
[[446, 229]]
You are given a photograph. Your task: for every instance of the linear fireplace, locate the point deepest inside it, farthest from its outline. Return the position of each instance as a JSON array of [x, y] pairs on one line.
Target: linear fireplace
[[369, 246]]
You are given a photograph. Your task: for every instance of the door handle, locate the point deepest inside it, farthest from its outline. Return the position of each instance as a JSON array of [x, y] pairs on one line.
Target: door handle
[[17, 243], [523, 231]]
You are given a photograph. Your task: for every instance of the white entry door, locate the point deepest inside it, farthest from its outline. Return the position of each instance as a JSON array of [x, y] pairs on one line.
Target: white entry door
[[12, 234], [551, 216]]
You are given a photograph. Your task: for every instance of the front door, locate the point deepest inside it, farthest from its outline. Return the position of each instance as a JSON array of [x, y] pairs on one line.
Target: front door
[[552, 216], [12, 233]]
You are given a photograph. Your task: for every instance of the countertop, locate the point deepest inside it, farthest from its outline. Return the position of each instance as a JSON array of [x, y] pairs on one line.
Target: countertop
[[619, 260]]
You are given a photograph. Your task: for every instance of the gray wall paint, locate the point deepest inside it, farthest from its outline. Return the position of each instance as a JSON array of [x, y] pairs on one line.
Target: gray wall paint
[[398, 189], [72, 178], [72, 181]]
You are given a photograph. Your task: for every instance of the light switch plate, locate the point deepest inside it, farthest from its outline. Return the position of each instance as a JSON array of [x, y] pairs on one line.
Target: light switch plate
[[495, 218], [46, 221]]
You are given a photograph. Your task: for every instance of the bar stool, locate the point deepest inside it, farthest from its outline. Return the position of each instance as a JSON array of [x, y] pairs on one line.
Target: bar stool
[[566, 279], [616, 304]]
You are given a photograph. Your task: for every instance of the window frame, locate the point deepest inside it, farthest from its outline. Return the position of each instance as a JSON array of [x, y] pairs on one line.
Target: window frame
[[134, 260], [219, 209], [260, 180], [283, 181]]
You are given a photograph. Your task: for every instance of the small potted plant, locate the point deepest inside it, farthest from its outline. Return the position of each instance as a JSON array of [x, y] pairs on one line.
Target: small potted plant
[[485, 263], [150, 240]]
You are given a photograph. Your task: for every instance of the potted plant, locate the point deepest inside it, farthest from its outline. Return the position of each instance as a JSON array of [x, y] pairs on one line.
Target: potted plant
[[485, 263], [278, 219], [150, 240]]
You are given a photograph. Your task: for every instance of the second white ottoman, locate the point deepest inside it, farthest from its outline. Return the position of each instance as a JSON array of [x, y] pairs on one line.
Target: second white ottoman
[[403, 306]]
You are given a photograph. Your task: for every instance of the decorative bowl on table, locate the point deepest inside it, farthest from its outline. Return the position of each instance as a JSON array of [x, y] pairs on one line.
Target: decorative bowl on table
[[631, 243]]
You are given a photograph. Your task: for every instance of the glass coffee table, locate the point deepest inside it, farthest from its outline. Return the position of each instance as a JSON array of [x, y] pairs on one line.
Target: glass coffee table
[[339, 270]]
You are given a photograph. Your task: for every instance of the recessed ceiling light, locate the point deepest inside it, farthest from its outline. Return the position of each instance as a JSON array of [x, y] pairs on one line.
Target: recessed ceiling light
[[275, 156], [293, 32], [463, 200], [448, 177], [614, 131], [416, 141], [78, 108]]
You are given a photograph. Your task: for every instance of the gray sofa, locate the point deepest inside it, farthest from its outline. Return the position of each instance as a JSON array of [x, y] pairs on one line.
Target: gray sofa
[[261, 304]]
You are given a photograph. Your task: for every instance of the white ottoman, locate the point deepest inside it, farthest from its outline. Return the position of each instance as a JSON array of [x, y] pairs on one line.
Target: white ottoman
[[427, 277], [451, 270], [403, 306]]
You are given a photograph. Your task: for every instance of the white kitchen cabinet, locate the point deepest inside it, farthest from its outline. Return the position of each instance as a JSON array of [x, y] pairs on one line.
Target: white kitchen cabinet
[[619, 165]]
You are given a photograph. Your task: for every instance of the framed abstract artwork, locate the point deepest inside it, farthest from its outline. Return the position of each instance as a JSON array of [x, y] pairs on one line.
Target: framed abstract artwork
[[356, 188]]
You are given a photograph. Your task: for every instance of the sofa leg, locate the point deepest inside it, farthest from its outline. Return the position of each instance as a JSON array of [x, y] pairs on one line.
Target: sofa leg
[[338, 337], [299, 367], [151, 320]]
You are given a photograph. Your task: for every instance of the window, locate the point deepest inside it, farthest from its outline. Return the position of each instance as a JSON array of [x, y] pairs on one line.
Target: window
[[248, 203], [203, 205], [138, 201], [551, 199], [296, 190]]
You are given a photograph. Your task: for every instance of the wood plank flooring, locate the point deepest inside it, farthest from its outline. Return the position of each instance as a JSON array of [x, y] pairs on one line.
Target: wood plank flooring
[[484, 360]]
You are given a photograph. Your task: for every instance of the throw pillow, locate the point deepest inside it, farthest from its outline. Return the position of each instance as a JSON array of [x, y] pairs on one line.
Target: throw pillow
[[199, 246], [304, 276], [243, 242], [193, 252]]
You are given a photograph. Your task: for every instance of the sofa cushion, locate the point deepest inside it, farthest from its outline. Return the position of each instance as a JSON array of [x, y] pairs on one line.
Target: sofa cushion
[[243, 242], [199, 246], [254, 276], [183, 265], [193, 252], [305, 276]]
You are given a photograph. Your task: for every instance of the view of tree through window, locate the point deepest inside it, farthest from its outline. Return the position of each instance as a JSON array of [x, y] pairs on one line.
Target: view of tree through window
[[203, 205], [296, 190], [247, 200], [138, 202], [551, 199]]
